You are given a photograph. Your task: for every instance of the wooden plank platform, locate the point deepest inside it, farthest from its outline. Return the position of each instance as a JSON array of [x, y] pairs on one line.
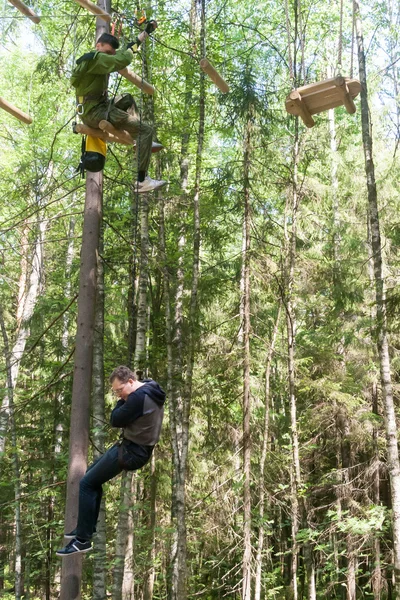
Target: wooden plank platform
[[318, 97]]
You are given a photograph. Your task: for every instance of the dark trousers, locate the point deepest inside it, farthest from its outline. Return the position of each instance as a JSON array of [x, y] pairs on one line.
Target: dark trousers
[[102, 470]]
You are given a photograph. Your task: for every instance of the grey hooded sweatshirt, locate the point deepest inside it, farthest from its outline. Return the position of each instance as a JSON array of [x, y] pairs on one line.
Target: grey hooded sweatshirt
[[141, 415]]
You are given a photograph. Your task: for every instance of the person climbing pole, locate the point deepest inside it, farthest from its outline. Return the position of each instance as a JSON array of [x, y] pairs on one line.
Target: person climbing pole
[[139, 411], [90, 80]]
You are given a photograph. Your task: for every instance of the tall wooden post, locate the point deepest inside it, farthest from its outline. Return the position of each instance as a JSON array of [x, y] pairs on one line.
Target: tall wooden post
[[81, 389], [71, 574]]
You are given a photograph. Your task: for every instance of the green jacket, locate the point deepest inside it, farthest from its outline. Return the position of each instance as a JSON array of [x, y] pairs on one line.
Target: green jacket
[[90, 76]]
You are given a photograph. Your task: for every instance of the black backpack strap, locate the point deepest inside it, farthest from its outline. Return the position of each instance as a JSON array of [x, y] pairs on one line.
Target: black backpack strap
[[87, 56], [81, 168]]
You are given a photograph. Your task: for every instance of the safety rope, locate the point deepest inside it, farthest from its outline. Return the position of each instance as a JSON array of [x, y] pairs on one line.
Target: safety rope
[[136, 214], [291, 70], [340, 41], [353, 27], [301, 38]]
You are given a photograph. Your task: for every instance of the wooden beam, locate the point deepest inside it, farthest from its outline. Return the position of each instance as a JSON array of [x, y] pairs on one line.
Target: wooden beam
[[25, 10], [300, 109], [15, 112], [213, 74], [103, 135], [136, 80], [94, 9], [118, 133], [348, 101]]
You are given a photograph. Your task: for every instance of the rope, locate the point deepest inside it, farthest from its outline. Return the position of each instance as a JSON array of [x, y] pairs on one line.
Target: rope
[[136, 216], [301, 38], [353, 27], [289, 43], [340, 41]]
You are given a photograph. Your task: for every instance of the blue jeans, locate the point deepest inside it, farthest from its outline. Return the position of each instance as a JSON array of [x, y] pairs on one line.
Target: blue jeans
[[103, 469]]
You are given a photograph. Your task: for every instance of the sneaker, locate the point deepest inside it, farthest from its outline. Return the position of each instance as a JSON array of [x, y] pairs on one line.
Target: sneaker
[[149, 184], [155, 146], [75, 547]]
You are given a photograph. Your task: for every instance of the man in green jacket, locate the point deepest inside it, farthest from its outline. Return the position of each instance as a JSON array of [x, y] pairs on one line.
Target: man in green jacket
[[90, 80]]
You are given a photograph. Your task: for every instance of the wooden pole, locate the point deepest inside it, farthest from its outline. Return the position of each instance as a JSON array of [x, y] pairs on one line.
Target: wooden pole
[[301, 108], [213, 74], [348, 101], [25, 10], [15, 112], [136, 80], [71, 571], [94, 9], [104, 135]]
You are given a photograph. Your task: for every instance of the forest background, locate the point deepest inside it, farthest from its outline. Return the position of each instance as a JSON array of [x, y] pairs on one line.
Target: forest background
[[247, 288]]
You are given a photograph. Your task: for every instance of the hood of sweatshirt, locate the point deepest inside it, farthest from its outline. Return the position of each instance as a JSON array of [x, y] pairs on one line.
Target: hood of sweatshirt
[[154, 390]]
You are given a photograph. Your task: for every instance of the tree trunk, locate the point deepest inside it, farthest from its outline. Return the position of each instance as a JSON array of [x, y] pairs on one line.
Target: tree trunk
[[81, 388], [151, 554], [142, 303], [263, 459], [290, 238], [18, 581], [246, 560], [381, 320], [377, 569], [98, 426], [182, 392], [121, 539], [26, 304]]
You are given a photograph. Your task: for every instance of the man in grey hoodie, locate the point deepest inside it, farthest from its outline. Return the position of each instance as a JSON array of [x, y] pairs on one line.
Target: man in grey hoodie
[[139, 411]]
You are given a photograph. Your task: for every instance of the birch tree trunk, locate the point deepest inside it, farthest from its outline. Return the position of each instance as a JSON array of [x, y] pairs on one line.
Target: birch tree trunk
[[59, 401], [246, 560], [151, 554], [263, 459], [181, 391], [27, 299], [142, 304], [290, 238], [18, 581], [381, 318], [98, 426]]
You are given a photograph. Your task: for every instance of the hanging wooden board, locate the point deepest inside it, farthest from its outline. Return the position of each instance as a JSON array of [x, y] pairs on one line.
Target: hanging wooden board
[[317, 97], [104, 135], [138, 81], [110, 134], [25, 10], [15, 112], [123, 135], [94, 9]]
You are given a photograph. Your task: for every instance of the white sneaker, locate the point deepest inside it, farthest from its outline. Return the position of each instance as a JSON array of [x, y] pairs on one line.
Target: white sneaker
[[149, 184]]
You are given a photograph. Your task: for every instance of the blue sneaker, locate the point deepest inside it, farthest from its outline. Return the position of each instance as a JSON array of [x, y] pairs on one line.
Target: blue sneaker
[[75, 547]]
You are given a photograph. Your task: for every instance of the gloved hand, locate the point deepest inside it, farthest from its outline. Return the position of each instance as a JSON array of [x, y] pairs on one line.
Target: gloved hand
[[134, 43], [151, 26]]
